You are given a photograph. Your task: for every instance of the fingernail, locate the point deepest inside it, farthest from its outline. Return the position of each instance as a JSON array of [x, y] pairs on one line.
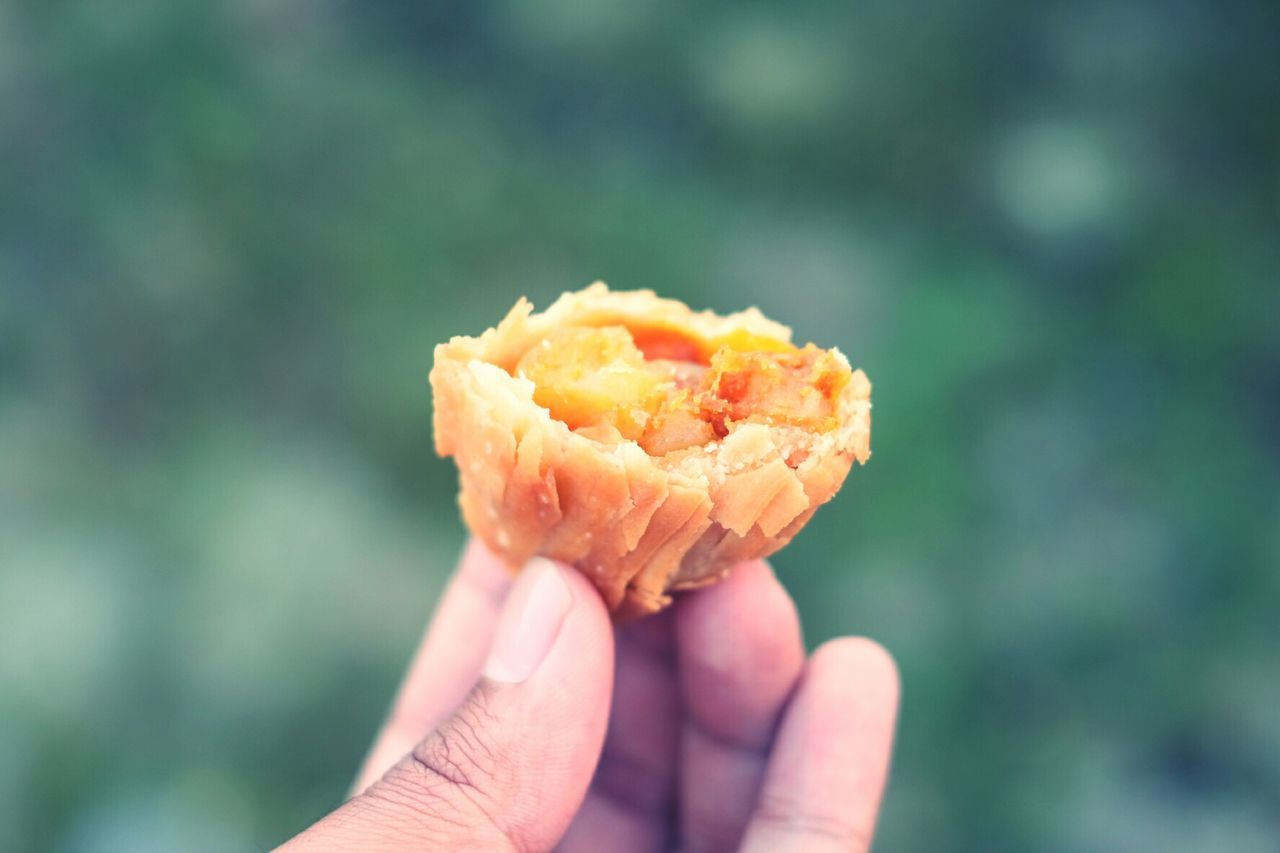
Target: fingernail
[[529, 623]]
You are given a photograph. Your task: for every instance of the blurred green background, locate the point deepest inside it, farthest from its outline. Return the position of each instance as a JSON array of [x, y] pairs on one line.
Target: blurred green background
[[230, 234]]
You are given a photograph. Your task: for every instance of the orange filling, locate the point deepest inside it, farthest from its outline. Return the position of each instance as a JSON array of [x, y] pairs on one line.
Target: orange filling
[[667, 390]]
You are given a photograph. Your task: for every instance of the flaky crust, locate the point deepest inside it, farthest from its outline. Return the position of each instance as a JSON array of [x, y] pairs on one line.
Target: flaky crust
[[638, 526]]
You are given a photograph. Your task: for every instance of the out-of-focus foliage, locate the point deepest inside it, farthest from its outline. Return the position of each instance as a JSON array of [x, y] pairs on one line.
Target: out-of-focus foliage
[[230, 234]]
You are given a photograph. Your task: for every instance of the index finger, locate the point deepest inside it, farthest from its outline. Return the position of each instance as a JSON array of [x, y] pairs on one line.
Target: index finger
[[447, 662], [741, 654]]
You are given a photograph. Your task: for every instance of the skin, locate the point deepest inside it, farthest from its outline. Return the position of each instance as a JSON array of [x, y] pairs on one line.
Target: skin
[[704, 728]]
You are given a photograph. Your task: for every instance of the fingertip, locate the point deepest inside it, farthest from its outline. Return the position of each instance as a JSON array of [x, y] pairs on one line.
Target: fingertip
[[744, 575], [741, 651], [858, 661], [481, 569], [583, 588], [476, 551], [586, 638], [749, 595], [585, 595]]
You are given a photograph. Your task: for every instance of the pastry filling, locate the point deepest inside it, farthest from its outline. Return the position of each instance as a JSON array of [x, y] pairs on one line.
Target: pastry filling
[[668, 391]]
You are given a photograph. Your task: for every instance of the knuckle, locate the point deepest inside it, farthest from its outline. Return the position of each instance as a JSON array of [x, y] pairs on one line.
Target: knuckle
[[452, 761], [450, 780], [824, 830], [459, 752]]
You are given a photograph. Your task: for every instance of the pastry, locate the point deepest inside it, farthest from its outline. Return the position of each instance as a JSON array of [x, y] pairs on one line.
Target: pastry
[[650, 446]]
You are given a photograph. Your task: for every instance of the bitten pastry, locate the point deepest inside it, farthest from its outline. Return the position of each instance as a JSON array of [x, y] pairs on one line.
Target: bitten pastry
[[648, 445]]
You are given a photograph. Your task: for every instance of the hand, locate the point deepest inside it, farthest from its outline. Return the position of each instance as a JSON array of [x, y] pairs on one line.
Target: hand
[[527, 722]]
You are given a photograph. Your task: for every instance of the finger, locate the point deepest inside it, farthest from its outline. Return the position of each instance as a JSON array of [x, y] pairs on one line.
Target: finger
[[508, 770], [447, 662], [629, 807], [827, 774], [741, 654]]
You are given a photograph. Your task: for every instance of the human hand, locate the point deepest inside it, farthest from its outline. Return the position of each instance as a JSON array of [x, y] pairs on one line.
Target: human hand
[[527, 722]]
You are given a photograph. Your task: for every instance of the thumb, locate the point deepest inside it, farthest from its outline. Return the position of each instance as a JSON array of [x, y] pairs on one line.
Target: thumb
[[510, 768]]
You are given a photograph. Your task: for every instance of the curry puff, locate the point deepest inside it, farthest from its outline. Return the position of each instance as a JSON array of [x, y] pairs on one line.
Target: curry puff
[[650, 446]]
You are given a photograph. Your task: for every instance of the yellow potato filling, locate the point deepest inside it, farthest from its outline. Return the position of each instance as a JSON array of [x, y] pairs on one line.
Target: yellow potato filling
[[668, 391]]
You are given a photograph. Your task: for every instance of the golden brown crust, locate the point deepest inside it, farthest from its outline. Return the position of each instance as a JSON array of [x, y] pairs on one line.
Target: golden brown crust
[[638, 526]]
